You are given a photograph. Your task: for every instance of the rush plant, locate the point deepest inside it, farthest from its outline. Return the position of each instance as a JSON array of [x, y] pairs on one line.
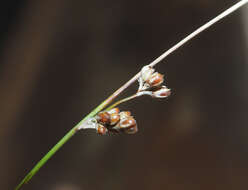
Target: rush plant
[[111, 120]]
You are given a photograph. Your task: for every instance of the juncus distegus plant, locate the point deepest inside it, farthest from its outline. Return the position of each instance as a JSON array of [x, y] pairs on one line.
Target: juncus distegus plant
[[111, 120]]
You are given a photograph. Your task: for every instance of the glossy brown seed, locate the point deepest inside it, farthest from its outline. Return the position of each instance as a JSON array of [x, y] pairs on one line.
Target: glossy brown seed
[[156, 79], [124, 114], [114, 110], [114, 118], [163, 92], [132, 130], [103, 118], [102, 130], [127, 122]]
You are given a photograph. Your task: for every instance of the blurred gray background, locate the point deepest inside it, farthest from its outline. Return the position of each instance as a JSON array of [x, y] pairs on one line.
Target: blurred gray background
[[59, 59]]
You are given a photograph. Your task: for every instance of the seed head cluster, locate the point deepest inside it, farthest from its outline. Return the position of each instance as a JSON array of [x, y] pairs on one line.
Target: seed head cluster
[[114, 121]]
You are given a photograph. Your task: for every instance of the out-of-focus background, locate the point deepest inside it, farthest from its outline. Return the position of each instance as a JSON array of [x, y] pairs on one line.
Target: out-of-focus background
[[59, 59]]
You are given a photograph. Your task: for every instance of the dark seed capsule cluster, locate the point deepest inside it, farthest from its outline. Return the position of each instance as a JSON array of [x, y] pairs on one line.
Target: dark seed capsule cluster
[[116, 122]]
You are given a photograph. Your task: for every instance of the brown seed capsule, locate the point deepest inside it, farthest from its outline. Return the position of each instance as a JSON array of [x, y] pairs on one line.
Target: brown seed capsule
[[156, 79], [163, 92], [114, 110], [124, 114], [101, 130], [132, 130], [125, 123], [128, 122], [114, 118], [103, 117]]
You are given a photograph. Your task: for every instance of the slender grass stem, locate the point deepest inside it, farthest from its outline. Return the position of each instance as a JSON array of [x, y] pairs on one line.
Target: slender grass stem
[[122, 101], [121, 89], [60, 144], [198, 31], [47, 157]]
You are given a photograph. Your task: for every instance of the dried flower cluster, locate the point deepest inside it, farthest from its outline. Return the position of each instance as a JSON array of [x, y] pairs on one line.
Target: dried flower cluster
[[116, 122], [150, 83]]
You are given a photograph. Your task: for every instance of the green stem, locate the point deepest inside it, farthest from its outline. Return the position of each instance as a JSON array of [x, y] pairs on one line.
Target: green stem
[[56, 147], [121, 101], [46, 158]]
